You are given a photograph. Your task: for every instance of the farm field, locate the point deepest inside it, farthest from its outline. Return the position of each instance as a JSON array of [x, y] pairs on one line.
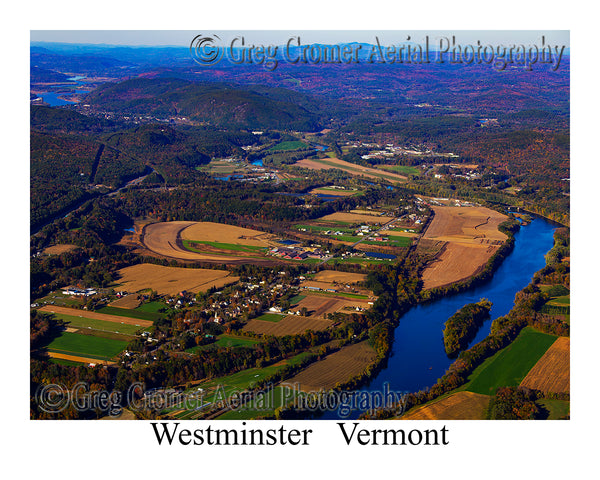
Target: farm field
[[401, 169], [96, 316], [165, 240], [133, 313], [288, 146], [58, 249], [290, 325], [74, 360], [271, 317], [226, 341], [356, 218], [336, 368], [552, 372], [240, 381], [339, 277], [351, 168], [228, 234], [456, 406], [171, 280], [338, 192], [94, 324], [128, 301], [319, 305], [472, 237], [556, 409], [509, 366], [88, 346]]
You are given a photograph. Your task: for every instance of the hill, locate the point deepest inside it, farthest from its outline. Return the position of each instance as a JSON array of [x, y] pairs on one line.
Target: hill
[[213, 103]]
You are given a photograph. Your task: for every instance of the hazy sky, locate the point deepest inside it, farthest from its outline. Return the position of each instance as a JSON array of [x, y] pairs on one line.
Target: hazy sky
[[184, 37]]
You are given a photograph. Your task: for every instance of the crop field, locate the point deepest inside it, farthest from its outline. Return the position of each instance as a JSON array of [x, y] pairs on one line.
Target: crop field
[[471, 225], [237, 382], [271, 317], [509, 366], [552, 372], [336, 368], [172, 280], [351, 168], [67, 359], [290, 325], [471, 237], [355, 218], [165, 240], [87, 346], [339, 277], [457, 262], [227, 234], [456, 406], [102, 325], [287, 146], [133, 313], [96, 316], [401, 169], [320, 305], [226, 341], [337, 192], [58, 249], [128, 302]]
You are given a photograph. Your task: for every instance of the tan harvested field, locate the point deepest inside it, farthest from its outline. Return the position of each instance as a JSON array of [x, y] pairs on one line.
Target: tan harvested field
[[338, 367], [164, 239], [552, 372], [466, 225], [393, 233], [223, 233], [471, 237], [320, 305], [172, 280], [458, 406], [95, 315], [290, 325], [339, 277], [58, 249], [355, 218], [336, 192], [128, 301], [351, 168], [457, 262], [75, 358]]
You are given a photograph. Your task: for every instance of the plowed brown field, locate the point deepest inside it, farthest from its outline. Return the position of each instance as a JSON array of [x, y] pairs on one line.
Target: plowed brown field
[[458, 406], [338, 367], [552, 372], [172, 280], [472, 237], [290, 325]]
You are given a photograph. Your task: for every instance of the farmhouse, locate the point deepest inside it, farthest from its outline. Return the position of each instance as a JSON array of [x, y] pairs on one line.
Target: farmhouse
[[80, 292]]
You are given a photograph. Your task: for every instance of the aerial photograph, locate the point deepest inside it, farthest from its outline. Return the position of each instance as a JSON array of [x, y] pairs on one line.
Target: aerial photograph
[[299, 225]]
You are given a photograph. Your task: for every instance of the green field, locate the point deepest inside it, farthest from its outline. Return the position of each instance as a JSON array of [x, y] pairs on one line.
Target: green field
[[401, 169], [93, 324], [556, 409], [392, 242], [189, 245], [87, 345], [226, 341], [150, 307], [287, 146], [319, 228], [237, 382], [297, 299], [271, 317], [131, 313], [509, 366]]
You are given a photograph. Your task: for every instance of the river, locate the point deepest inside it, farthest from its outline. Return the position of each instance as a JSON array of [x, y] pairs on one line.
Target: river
[[417, 357]]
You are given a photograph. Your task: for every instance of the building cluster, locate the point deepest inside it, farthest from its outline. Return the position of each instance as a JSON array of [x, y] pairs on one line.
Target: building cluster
[[298, 253]]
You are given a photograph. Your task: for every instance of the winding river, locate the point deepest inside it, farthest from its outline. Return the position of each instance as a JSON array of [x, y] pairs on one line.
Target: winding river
[[418, 358]]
